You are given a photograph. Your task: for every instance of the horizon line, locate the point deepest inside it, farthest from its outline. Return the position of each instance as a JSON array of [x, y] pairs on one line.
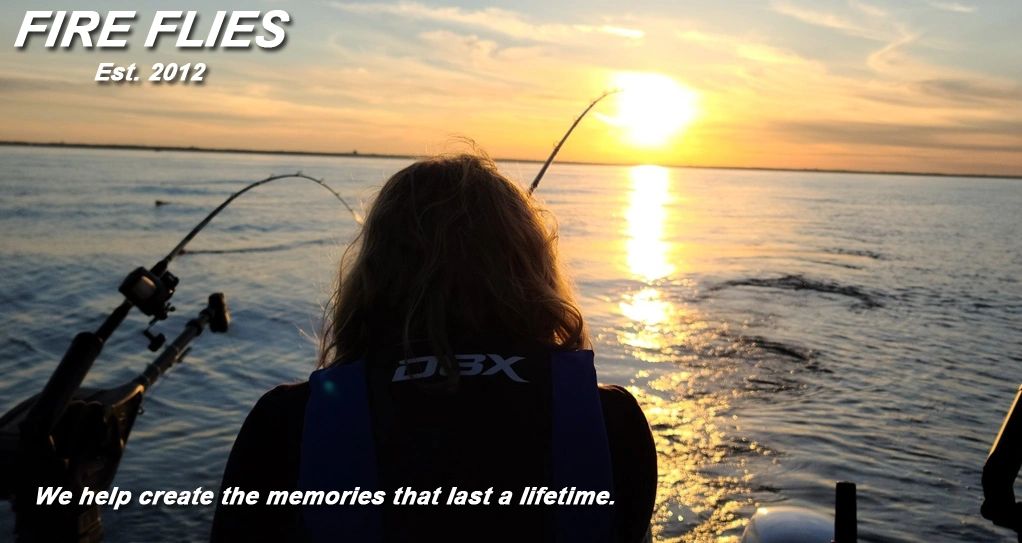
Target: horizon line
[[356, 154]]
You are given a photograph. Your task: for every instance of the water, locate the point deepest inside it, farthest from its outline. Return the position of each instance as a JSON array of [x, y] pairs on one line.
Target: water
[[781, 330]]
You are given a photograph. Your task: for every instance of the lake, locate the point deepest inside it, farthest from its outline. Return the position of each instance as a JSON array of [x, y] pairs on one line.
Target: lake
[[782, 330]]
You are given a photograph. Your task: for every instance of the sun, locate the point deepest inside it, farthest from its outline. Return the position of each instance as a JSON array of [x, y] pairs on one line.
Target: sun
[[651, 107]]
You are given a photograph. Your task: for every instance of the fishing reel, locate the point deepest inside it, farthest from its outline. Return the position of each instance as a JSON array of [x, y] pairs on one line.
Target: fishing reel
[[150, 292], [81, 444]]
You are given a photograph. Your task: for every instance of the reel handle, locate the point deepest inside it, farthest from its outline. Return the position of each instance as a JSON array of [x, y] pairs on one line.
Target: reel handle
[[219, 313]]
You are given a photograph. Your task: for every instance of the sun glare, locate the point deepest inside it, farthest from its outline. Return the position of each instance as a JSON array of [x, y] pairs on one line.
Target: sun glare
[[647, 217], [651, 108]]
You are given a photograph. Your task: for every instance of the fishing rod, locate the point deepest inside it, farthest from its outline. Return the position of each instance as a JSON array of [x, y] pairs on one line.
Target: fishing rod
[[557, 148], [299, 175], [148, 290], [44, 443]]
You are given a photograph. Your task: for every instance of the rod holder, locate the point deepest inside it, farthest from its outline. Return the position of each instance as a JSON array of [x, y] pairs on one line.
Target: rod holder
[[846, 524]]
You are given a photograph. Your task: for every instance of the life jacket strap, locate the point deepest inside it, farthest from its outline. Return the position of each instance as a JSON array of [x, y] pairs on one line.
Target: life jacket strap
[[338, 448], [580, 451]]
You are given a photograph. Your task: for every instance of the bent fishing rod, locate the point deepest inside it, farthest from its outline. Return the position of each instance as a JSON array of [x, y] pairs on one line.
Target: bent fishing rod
[[148, 290], [557, 148], [46, 442]]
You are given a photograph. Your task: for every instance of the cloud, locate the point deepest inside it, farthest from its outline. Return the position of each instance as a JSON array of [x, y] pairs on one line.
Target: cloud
[[440, 78], [868, 9], [497, 20], [971, 135], [21, 84], [621, 31], [892, 60], [953, 7], [742, 48], [972, 91], [471, 46], [826, 20], [889, 57]]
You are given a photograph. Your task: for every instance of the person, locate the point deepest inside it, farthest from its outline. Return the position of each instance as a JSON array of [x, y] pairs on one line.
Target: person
[[454, 359]]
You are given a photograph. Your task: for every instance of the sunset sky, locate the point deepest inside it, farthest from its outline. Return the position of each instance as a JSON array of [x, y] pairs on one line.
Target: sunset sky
[[911, 85]]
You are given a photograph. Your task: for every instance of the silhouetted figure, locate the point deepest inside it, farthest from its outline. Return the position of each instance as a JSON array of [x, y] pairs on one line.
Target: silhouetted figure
[[454, 356]]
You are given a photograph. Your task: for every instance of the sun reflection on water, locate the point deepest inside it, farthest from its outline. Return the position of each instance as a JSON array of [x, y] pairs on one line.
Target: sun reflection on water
[[646, 216], [687, 392], [653, 315]]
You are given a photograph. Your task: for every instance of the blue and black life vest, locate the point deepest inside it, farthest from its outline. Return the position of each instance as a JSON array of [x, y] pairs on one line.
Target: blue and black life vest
[[515, 420]]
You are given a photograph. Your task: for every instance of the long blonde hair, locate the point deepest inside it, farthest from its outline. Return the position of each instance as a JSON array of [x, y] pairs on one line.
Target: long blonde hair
[[450, 250]]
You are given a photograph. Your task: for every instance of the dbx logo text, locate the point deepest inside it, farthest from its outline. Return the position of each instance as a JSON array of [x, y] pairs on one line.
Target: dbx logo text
[[468, 365]]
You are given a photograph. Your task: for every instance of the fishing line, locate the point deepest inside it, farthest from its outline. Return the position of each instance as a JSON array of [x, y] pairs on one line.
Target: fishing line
[[198, 228], [262, 249]]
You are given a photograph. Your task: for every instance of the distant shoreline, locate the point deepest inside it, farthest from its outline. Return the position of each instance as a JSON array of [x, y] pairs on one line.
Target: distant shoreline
[[356, 154]]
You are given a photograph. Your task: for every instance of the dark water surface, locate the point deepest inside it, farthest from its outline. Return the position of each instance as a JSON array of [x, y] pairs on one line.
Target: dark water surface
[[782, 330]]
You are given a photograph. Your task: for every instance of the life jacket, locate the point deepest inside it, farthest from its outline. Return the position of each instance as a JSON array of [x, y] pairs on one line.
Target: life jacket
[[515, 420]]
